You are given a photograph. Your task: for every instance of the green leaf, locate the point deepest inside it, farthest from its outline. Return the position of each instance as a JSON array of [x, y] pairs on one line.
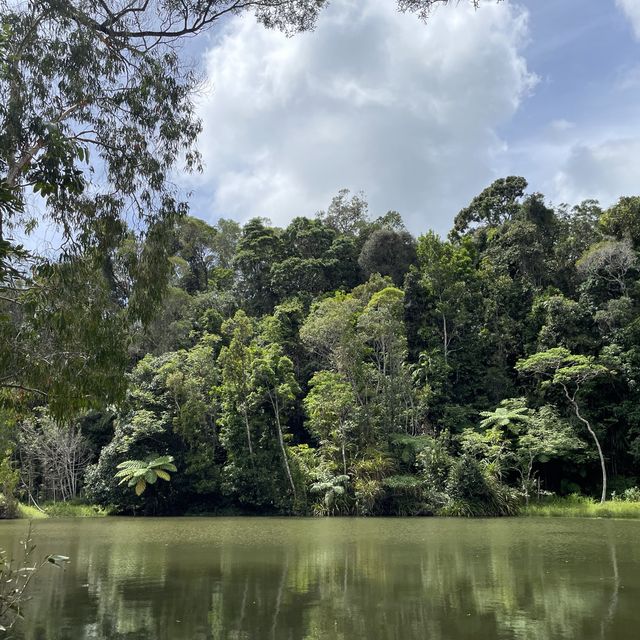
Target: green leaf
[[163, 474]]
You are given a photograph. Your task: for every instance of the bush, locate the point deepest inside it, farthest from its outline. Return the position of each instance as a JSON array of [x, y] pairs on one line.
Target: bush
[[472, 494], [367, 493], [632, 494], [407, 495], [73, 510]]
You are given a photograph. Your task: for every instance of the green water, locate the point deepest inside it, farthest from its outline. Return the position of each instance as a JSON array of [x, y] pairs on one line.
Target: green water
[[351, 579]]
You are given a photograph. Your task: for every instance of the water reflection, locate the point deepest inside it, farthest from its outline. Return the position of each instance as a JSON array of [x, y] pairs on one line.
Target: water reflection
[[346, 579]]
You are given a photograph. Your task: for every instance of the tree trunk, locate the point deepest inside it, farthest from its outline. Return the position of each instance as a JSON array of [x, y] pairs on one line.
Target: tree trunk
[[246, 424], [276, 409], [576, 409], [344, 455], [446, 338]]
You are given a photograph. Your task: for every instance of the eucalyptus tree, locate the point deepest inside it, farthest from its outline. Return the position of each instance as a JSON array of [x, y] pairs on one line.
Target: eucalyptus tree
[[94, 119]]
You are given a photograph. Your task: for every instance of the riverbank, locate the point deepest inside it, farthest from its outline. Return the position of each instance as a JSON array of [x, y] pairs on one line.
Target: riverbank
[[581, 507], [567, 507], [61, 510]]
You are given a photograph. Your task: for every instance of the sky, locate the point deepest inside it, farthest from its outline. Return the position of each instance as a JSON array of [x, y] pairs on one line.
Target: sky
[[420, 117]]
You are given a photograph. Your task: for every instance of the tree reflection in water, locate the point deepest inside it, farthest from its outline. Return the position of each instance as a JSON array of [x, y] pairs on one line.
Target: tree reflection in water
[[260, 578]]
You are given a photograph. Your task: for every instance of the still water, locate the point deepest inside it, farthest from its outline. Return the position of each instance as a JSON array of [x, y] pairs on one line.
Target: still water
[[351, 579]]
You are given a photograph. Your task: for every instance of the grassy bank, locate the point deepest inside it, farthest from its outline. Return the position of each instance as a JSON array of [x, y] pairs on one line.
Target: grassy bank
[[582, 507], [61, 510], [568, 507]]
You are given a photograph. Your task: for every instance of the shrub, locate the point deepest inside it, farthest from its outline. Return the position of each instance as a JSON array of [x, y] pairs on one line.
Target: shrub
[[632, 494], [471, 493]]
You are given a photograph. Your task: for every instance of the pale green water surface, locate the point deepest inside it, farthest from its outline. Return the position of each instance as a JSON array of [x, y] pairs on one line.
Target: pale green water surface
[[351, 579]]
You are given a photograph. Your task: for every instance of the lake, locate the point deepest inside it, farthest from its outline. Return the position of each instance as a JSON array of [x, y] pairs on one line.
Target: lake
[[351, 579]]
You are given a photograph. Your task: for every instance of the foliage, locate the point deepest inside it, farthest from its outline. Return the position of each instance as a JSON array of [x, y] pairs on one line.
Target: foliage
[[632, 494], [576, 506], [338, 367], [571, 372], [140, 473], [471, 493], [53, 458]]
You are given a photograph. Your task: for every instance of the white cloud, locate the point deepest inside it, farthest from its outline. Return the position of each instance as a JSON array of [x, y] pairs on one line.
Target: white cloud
[[631, 9], [372, 99], [604, 170], [561, 125]]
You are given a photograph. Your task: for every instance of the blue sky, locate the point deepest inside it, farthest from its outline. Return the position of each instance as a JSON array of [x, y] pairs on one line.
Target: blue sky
[[420, 116]]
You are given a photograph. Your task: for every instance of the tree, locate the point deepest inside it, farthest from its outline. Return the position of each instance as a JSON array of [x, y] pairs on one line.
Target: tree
[[170, 407], [622, 220], [495, 205], [545, 436], [508, 415], [235, 362], [54, 457], [521, 245], [328, 332], [306, 277], [332, 412], [306, 238], [515, 438], [259, 248], [196, 244], [382, 329], [140, 473], [347, 217], [389, 253], [448, 277], [610, 261], [572, 373], [272, 379]]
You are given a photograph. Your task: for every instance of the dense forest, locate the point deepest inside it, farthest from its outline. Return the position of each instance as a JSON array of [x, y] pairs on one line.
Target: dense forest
[[154, 363], [341, 366]]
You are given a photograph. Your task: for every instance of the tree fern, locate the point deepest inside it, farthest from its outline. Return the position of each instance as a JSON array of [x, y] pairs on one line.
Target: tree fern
[[510, 414], [139, 473]]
